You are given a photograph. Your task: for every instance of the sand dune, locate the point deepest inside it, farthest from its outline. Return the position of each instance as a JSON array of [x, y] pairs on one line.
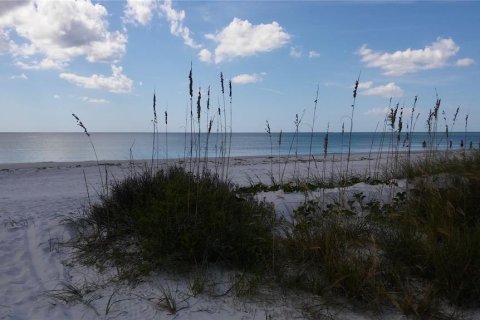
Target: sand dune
[[34, 200]]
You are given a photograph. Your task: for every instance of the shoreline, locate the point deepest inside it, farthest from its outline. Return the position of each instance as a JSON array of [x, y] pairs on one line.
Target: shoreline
[[243, 171], [315, 158]]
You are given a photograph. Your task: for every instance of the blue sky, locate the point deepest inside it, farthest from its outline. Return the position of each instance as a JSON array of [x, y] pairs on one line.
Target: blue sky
[[102, 60]]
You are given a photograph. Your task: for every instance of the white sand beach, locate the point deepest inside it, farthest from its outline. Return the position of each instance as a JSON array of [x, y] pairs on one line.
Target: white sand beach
[[35, 198]]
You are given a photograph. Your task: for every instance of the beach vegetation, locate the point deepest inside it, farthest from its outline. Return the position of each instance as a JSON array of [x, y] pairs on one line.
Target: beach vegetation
[[175, 216], [415, 253], [72, 293], [417, 250]]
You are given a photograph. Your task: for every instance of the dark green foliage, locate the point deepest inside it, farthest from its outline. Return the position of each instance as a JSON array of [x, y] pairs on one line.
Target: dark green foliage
[[436, 233], [415, 252], [312, 184], [333, 253], [176, 216]]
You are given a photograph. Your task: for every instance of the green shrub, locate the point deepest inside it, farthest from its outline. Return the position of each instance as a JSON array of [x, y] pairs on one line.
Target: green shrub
[[176, 216]]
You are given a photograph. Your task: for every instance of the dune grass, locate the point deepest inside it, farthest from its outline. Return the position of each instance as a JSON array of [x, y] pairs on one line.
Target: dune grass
[[416, 253]]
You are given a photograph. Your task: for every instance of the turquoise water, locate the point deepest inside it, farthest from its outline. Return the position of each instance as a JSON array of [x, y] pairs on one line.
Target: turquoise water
[[58, 147]]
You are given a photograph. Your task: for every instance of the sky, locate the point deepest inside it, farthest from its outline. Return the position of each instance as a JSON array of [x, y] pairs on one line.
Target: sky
[[103, 60]]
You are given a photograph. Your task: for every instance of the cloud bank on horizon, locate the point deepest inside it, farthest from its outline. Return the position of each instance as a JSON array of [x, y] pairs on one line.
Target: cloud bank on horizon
[[79, 41]]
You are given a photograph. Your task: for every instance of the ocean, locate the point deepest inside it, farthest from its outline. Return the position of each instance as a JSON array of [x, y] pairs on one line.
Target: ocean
[[66, 147]]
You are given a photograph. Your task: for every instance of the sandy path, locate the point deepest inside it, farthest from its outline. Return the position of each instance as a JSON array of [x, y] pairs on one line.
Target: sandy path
[[32, 204]]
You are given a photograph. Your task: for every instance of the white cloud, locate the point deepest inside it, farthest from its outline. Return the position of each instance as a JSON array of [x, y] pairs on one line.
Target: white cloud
[[245, 78], [365, 85], [43, 64], [94, 100], [465, 62], [388, 90], [313, 54], [49, 34], [21, 76], [117, 82], [110, 49], [175, 18], [56, 96], [295, 52], [205, 55], [241, 39], [139, 11], [398, 63], [377, 111]]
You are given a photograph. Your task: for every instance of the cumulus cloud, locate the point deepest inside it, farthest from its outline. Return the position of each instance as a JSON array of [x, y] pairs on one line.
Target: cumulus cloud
[[295, 52], [205, 55], [43, 64], [365, 85], [313, 54], [433, 56], [49, 34], [117, 82], [139, 11], [464, 62], [21, 76], [245, 78], [94, 100], [111, 48], [388, 90], [241, 39], [175, 19]]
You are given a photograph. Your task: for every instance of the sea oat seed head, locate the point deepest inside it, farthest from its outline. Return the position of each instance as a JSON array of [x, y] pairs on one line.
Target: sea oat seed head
[[208, 98], [221, 82], [199, 108], [190, 80]]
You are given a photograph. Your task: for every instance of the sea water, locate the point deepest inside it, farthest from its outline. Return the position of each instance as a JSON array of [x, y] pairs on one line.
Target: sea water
[[64, 147]]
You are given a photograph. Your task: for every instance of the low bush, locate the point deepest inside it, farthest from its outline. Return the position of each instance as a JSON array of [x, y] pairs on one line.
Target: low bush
[[173, 215]]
